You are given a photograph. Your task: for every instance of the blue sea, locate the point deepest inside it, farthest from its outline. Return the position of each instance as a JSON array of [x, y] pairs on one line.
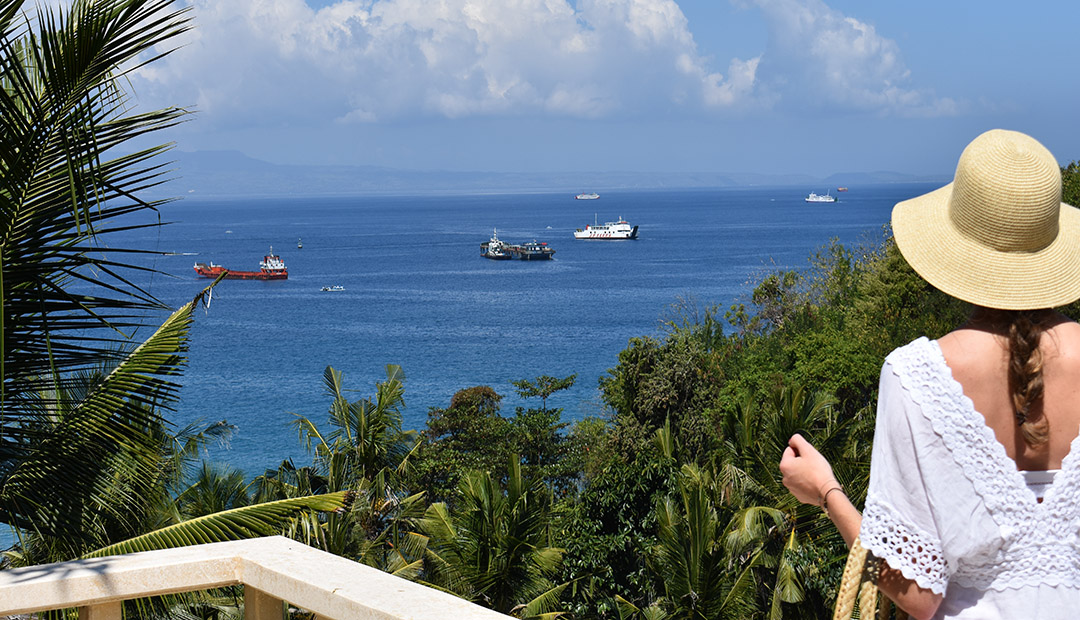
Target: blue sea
[[418, 294]]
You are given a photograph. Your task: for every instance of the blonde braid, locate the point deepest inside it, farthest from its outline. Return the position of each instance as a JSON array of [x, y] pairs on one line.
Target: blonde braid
[[1024, 329], [1026, 375]]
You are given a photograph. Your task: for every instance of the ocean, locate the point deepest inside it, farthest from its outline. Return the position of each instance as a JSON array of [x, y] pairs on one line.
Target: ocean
[[418, 294]]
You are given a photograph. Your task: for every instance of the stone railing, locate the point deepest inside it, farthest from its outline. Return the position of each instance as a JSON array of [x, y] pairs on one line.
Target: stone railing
[[273, 571]]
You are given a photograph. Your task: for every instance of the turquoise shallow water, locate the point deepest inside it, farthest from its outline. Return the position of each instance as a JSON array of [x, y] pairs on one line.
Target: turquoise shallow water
[[418, 294]]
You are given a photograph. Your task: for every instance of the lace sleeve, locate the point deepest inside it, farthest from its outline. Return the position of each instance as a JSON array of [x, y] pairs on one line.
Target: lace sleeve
[[898, 523]]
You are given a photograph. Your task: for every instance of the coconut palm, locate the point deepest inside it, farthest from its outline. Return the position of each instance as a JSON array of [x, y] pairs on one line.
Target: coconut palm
[[793, 547], [82, 458], [366, 453], [70, 301], [496, 549], [365, 440]]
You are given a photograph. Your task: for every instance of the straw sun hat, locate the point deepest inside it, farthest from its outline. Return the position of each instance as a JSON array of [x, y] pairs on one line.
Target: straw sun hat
[[998, 235]]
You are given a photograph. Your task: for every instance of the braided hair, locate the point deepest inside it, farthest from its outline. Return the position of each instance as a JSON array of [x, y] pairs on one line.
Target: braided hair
[[1023, 329]]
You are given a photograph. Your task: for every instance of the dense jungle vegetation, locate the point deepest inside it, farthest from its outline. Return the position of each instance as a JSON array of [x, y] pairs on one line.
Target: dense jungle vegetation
[[669, 506]]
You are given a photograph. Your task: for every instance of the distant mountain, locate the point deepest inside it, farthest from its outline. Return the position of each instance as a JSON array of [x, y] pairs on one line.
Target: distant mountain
[[844, 179], [231, 173]]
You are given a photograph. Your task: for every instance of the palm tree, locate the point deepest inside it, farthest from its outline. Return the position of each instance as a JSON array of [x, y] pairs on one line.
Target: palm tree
[[70, 304], [365, 440], [497, 549], [699, 574], [366, 454], [83, 464], [789, 544]]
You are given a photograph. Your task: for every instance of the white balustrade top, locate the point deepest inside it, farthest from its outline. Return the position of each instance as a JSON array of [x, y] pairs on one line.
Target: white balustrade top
[[329, 585]]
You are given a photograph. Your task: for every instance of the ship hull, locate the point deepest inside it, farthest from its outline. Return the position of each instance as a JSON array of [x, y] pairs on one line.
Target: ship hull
[[215, 271], [606, 235], [536, 255], [495, 253]]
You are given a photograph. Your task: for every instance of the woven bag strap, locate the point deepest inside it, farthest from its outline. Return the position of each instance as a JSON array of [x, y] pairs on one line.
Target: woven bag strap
[[849, 586]]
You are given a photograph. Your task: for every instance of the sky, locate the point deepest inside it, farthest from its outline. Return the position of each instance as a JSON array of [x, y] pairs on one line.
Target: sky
[[744, 86]]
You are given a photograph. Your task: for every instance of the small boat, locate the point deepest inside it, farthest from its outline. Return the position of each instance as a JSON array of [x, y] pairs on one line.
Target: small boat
[[587, 196], [299, 244], [495, 249], [534, 250], [332, 289], [819, 198], [841, 189], [609, 230], [270, 268]]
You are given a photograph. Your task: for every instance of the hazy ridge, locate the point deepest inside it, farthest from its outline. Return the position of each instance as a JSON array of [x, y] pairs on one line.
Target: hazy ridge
[[231, 173]]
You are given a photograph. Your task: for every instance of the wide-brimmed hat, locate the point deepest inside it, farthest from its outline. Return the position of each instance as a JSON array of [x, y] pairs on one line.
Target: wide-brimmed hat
[[998, 235]]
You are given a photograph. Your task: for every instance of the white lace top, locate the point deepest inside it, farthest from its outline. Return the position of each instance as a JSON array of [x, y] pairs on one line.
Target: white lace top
[[948, 508]]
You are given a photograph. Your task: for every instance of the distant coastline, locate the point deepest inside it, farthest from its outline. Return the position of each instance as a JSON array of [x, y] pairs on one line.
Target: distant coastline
[[223, 174]]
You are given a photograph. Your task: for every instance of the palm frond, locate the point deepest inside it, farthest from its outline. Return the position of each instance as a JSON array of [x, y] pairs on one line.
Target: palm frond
[[236, 524], [62, 109], [45, 488], [543, 605]]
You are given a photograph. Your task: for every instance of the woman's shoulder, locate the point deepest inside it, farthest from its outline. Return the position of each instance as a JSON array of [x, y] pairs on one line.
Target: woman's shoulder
[[1065, 339], [920, 349]]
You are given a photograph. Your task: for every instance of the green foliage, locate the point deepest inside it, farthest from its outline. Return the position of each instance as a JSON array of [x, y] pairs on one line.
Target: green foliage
[[236, 524], [468, 435], [721, 407], [365, 438], [79, 401], [1070, 184], [538, 437], [543, 386], [366, 454], [63, 111], [472, 434], [699, 579], [608, 527], [496, 547], [74, 506]]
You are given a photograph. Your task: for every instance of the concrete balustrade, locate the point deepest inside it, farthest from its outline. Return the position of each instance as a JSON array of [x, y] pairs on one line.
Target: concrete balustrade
[[272, 570]]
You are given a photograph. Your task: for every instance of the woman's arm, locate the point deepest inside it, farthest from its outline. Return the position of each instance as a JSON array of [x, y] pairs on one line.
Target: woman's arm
[[810, 479]]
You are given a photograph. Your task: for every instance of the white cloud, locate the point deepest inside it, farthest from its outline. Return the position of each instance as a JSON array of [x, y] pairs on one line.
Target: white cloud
[[382, 60], [258, 62], [817, 56]]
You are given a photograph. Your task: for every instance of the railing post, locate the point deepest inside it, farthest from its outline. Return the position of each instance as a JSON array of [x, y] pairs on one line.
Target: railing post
[[104, 611], [259, 605]]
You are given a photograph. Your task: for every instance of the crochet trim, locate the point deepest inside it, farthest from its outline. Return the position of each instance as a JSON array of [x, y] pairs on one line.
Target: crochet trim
[[916, 554], [1040, 543]]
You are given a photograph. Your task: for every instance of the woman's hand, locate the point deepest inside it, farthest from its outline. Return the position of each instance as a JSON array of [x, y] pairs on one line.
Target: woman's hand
[[806, 473]]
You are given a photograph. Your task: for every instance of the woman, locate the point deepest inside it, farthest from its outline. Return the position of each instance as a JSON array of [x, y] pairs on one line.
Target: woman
[[974, 498]]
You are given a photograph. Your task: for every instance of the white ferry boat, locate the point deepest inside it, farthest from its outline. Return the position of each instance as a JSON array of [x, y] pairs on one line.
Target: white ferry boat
[[609, 230], [588, 196], [819, 198]]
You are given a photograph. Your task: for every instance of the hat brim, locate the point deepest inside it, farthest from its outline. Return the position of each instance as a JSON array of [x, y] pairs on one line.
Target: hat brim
[[976, 273]]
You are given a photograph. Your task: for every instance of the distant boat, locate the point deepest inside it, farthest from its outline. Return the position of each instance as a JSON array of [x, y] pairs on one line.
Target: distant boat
[[609, 230], [332, 289], [588, 196], [819, 198], [495, 249], [533, 250], [299, 244], [270, 268], [841, 189]]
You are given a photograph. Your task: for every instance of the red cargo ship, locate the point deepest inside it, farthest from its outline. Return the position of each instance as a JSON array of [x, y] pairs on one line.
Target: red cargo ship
[[271, 268]]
